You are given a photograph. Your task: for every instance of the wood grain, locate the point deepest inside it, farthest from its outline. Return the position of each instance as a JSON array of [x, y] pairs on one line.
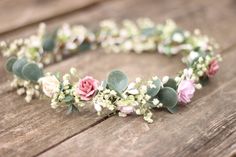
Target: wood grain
[[205, 127], [28, 130], [15, 14]]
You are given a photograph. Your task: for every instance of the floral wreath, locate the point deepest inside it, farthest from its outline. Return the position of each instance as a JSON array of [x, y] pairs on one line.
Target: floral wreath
[[27, 57]]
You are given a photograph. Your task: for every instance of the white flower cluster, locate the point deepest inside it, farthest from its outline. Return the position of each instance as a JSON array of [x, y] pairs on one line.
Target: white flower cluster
[[27, 88], [133, 100], [128, 37], [188, 74], [67, 39]]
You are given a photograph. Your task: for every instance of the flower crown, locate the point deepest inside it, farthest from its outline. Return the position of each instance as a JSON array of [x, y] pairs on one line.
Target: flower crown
[[27, 57]]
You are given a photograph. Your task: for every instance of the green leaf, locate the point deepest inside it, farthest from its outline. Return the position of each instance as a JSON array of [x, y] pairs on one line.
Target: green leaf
[[149, 32], [71, 108], [18, 66], [204, 80], [9, 63], [84, 46], [48, 43], [153, 91], [168, 97], [171, 83], [49, 40], [117, 81], [104, 84], [68, 98], [173, 109], [32, 72]]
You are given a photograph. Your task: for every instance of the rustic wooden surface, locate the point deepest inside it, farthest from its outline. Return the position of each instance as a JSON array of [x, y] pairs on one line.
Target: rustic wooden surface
[[206, 127]]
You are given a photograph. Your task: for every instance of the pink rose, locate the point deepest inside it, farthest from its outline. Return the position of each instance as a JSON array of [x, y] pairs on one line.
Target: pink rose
[[86, 88], [213, 67], [185, 91]]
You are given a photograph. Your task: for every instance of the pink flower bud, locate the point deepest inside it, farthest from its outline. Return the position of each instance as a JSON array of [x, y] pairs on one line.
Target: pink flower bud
[[213, 67]]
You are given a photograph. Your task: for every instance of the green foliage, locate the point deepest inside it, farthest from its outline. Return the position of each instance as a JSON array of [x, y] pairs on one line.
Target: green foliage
[[171, 83], [23, 69], [68, 99], [168, 97], [117, 81], [85, 46], [9, 63], [31, 72], [173, 109], [48, 43], [204, 80], [104, 84], [18, 66], [153, 91], [71, 108], [149, 32]]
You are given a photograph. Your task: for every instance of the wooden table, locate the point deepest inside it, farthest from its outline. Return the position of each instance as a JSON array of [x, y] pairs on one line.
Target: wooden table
[[206, 127]]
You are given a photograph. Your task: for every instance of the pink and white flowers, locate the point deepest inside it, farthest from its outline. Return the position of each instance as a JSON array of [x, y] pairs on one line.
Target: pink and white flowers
[[50, 85], [126, 109], [185, 91], [213, 67], [86, 88]]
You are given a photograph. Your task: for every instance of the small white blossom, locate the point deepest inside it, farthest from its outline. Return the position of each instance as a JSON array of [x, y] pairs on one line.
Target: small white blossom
[[198, 86], [28, 98], [155, 78], [97, 107], [147, 97], [20, 91], [73, 71], [138, 80], [165, 79], [155, 101], [54, 105]]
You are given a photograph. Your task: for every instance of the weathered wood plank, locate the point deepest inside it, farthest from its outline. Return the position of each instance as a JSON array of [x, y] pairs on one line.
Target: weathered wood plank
[[205, 127], [31, 116], [15, 14]]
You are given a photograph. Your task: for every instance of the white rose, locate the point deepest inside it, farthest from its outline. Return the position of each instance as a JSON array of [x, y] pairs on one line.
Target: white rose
[[50, 85]]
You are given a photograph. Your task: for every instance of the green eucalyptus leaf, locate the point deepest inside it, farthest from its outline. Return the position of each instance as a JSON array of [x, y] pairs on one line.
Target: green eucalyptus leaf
[[85, 46], [71, 108], [153, 91], [48, 43], [168, 97], [151, 31], [117, 81], [171, 83], [32, 72], [68, 98], [173, 109], [18, 66], [204, 80], [104, 84], [9, 63]]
